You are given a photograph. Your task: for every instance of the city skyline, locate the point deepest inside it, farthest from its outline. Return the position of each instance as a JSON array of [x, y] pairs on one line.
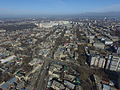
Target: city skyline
[[59, 44]]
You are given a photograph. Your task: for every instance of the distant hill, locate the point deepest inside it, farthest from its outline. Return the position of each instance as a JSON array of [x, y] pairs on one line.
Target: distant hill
[[109, 14], [88, 14]]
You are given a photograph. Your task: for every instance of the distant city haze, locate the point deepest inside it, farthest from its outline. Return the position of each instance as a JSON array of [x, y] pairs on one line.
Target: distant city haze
[[57, 7]]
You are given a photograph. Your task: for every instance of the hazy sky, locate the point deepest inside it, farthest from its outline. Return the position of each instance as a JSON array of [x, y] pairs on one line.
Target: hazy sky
[[37, 7]]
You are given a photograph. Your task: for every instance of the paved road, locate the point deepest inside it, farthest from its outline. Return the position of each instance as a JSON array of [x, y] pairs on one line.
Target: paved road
[[42, 79], [40, 85]]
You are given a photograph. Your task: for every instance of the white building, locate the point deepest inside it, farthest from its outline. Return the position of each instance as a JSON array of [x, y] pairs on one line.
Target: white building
[[97, 61], [108, 42], [51, 24], [113, 63], [7, 59], [118, 50]]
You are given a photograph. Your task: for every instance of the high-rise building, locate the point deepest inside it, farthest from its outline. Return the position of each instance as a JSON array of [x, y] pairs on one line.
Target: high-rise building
[[113, 63]]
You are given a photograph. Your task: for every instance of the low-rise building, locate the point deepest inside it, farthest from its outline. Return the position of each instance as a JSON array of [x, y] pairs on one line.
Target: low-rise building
[[108, 42], [69, 85], [69, 77], [8, 59], [57, 85], [99, 45]]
